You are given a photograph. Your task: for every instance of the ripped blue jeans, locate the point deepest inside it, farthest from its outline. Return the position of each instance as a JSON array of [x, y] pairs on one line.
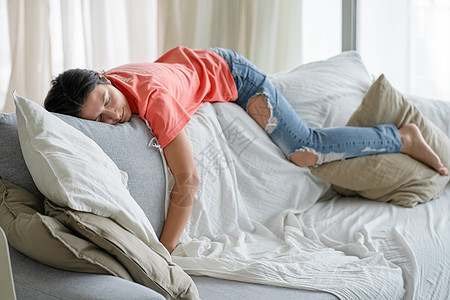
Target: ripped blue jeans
[[289, 132]]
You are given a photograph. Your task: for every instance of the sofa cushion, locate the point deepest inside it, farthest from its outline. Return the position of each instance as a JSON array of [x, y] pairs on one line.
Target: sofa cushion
[[47, 240], [145, 265], [127, 145], [395, 178]]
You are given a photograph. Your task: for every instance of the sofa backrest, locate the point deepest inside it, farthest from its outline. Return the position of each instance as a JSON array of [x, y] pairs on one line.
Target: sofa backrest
[[126, 144]]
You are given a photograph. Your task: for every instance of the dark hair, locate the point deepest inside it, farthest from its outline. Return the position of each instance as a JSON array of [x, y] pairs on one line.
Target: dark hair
[[69, 91]]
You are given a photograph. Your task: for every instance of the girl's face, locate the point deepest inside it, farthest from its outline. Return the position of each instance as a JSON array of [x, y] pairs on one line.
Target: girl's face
[[106, 104]]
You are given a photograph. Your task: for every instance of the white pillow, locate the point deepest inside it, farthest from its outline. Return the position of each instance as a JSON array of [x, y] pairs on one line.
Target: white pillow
[[325, 93], [71, 170]]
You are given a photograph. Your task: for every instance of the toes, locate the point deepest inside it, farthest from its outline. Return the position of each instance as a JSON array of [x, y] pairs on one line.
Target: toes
[[443, 171]]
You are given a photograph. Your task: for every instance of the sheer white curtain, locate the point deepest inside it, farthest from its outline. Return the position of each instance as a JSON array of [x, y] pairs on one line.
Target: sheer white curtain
[[268, 32], [50, 36], [30, 48]]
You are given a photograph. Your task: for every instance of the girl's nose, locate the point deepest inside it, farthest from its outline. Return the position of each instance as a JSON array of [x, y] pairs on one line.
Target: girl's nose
[[113, 116], [117, 115]]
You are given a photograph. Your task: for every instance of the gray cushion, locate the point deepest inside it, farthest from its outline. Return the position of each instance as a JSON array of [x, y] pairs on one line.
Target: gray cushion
[[123, 144]]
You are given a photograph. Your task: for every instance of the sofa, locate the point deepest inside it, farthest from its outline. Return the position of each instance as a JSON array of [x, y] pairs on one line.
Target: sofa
[[386, 235], [34, 280]]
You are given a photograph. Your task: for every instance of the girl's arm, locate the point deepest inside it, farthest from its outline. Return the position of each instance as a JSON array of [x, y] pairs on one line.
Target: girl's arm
[[180, 159]]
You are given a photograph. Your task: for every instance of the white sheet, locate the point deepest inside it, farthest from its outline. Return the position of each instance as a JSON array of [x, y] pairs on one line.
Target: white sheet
[[248, 226], [269, 230], [415, 239]]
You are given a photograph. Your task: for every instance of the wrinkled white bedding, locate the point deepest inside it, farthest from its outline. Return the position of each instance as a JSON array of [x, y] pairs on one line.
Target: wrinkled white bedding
[[256, 219], [416, 240]]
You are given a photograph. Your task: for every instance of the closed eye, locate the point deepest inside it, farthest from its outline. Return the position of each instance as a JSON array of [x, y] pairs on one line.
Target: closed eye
[[105, 101]]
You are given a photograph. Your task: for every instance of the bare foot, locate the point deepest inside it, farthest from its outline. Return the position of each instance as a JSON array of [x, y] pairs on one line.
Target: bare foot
[[415, 146]]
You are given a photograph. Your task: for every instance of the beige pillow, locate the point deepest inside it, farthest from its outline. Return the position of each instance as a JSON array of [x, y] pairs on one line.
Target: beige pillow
[[46, 239], [145, 265], [395, 178]]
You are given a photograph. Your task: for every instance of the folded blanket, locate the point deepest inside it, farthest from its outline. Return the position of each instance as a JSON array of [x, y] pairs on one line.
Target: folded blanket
[[244, 223]]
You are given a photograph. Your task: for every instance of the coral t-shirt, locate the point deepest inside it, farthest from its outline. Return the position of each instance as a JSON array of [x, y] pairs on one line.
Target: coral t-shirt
[[169, 91]]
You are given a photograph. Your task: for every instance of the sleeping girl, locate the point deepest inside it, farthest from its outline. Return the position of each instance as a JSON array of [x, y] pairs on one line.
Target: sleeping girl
[[166, 94]]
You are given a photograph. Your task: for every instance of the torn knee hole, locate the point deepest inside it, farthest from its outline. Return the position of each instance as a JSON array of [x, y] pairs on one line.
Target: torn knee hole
[[260, 110]]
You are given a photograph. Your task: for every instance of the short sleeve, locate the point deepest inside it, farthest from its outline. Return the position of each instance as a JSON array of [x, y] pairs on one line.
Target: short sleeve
[[165, 115]]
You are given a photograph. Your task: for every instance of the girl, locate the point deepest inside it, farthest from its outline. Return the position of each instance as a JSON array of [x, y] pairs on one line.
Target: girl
[[167, 93]]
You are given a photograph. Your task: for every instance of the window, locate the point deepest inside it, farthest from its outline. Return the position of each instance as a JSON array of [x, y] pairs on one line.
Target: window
[[408, 41], [321, 29]]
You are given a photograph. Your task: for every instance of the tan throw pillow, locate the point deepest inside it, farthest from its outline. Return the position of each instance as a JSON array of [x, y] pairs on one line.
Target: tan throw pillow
[[395, 178], [145, 265], [46, 239]]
